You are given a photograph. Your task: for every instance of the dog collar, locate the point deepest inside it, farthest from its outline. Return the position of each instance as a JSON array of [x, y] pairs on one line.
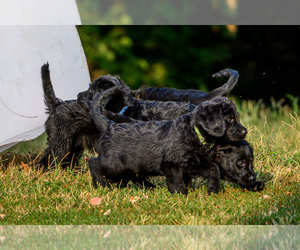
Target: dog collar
[[201, 137], [123, 110]]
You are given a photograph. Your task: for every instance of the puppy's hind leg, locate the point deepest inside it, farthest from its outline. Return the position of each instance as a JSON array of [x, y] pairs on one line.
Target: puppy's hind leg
[[73, 157], [48, 159], [97, 178]]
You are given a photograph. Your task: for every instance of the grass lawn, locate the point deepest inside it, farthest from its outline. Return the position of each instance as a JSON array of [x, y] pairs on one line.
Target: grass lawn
[[28, 197]]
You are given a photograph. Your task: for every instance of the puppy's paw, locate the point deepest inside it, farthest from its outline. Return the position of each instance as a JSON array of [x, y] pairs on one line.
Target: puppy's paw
[[99, 180], [213, 190]]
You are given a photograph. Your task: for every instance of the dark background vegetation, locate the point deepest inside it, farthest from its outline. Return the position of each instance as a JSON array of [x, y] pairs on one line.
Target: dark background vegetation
[[189, 11], [266, 57]]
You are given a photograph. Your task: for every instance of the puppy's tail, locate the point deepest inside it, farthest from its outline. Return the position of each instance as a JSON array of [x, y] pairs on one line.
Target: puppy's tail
[[226, 88], [50, 99]]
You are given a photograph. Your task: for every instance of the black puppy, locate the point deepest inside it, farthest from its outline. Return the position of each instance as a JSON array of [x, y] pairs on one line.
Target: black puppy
[[189, 95], [164, 148], [232, 162], [69, 127]]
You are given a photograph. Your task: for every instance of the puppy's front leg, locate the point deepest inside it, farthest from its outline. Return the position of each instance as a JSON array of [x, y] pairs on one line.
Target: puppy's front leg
[[95, 173], [213, 178], [174, 179], [187, 179]]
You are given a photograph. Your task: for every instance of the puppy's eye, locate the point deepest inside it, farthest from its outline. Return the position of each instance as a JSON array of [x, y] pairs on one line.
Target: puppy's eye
[[242, 163], [230, 120]]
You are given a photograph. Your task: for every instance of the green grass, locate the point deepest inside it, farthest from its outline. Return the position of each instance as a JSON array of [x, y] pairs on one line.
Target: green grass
[[28, 197]]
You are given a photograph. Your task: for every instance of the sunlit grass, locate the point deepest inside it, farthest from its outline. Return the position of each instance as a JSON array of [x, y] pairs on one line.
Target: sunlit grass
[[63, 197]]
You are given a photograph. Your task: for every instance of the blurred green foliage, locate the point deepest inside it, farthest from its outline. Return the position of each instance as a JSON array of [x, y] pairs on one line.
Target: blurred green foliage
[[155, 12], [188, 12], [266, 57], [155, 55]]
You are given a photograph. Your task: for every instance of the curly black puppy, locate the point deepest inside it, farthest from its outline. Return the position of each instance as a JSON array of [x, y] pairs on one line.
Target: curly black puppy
[[164, 148], [69, 126], [232, 162], [189, 95]]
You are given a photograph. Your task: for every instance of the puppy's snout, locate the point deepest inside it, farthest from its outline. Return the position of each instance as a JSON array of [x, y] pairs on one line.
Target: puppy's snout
[[244, 131], [251, 177]]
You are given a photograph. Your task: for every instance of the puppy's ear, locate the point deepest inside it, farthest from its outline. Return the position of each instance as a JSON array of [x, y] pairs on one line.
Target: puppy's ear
[[211, 119], [220, 151], [224, 148]]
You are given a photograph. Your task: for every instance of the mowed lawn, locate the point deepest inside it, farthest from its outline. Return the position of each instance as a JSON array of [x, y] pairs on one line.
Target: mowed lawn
[[29, 197]]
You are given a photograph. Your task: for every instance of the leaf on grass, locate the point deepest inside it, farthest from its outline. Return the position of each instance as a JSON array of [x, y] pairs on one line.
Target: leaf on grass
[[266, 196], [134, 199], [107, 234], [24, 166], [107, 212], [2, 216], [289, 193], [96, 201]]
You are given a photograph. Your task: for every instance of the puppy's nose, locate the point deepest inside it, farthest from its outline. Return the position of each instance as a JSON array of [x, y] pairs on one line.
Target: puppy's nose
[[252, 178], [243, 132]]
